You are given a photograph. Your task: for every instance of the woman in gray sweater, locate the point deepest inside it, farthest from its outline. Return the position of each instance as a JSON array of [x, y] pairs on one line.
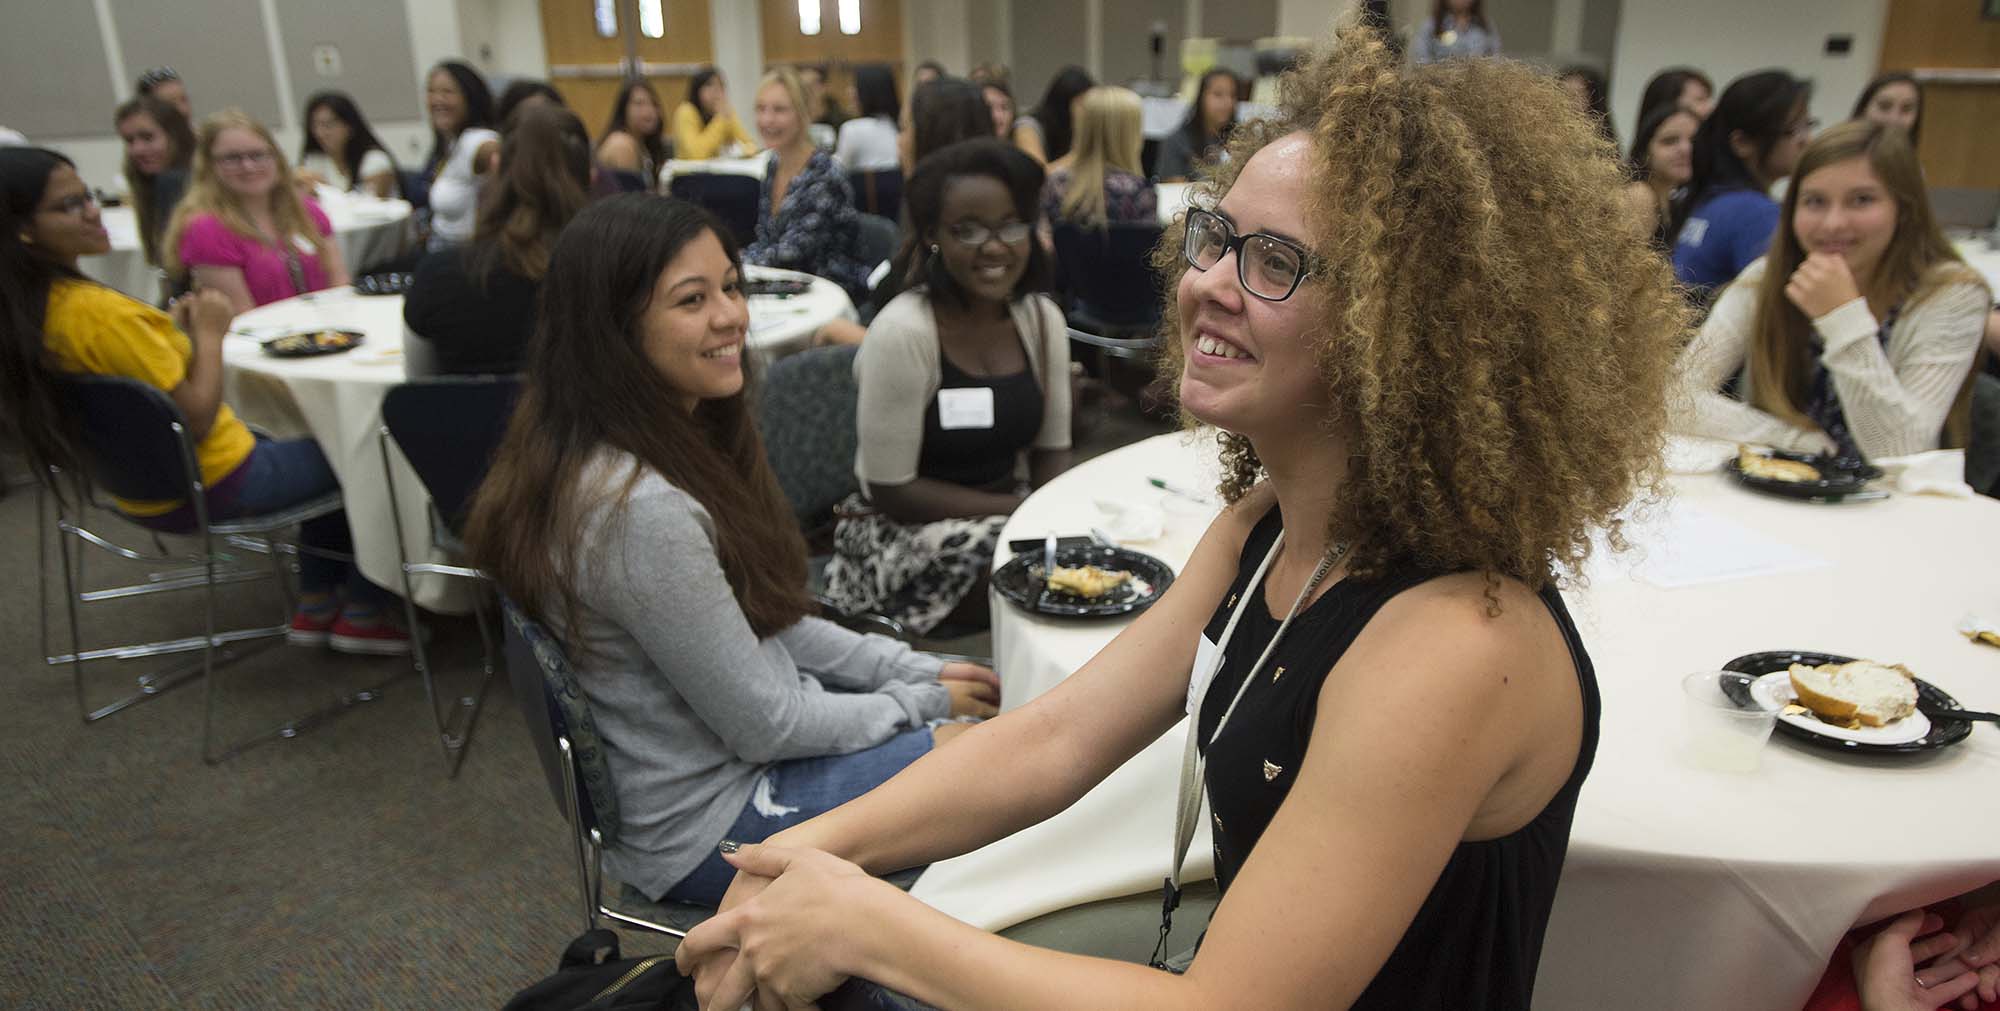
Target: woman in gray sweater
[[630, 509]]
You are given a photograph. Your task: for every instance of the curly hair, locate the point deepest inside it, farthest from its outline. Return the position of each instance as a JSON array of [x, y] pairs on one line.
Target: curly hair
[[1497, 345]]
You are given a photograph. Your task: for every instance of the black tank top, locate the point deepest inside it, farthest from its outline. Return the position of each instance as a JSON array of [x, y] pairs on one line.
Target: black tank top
[[1476, 940], [980, 457]]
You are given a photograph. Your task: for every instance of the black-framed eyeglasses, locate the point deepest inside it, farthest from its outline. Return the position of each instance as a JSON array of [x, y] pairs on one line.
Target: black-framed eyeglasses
[[972, 234], [1269, 267]]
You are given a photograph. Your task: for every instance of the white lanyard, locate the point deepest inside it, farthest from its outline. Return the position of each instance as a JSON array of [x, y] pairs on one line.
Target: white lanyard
[[1188, 808]]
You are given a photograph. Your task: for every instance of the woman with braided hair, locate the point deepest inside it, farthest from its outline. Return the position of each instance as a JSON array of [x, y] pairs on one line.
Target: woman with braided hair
[[1410, 398]]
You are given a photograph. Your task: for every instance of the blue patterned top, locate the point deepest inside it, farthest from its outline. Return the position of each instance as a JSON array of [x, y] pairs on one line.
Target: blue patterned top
[[814, 229]]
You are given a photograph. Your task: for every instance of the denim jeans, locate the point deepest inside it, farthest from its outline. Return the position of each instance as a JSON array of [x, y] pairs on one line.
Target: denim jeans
[[276, 475], [798, 790]]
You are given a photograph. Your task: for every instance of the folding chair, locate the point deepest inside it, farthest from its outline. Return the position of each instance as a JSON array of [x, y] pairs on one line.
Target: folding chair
[[572, 755], [137, 447], [573, 762], [448, 428], [731, 198], [878, 191]]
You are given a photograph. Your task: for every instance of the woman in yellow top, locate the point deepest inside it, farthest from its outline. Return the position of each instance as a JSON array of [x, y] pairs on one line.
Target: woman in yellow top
[[705, 124], [55, 321]]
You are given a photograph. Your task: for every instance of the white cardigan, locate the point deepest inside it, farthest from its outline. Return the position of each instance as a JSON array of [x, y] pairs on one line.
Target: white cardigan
[[1895, 398]]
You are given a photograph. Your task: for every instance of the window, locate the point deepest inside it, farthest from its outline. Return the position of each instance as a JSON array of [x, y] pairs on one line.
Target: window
[[850, 17], [808, 17], [606, 12], [652, 21]]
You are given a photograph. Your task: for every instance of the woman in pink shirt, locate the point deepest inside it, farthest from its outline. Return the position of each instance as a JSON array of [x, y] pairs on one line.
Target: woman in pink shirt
[[243, 229]]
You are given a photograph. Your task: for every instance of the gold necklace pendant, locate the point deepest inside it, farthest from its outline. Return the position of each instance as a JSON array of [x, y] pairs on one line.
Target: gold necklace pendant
[[1271, 771]]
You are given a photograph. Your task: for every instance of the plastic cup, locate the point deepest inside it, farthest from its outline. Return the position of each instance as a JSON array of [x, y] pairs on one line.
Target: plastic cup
[[1720, 733]]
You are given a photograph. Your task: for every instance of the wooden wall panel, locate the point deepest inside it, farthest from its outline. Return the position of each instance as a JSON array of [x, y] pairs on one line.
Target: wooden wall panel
[[1939, 33], [1959, 147], [690, 38]]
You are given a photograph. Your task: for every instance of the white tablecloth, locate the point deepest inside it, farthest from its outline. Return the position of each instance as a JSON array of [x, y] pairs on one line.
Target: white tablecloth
[[752, 166], [1983, 258], [337, 400], [369, 231], [1683, 889]]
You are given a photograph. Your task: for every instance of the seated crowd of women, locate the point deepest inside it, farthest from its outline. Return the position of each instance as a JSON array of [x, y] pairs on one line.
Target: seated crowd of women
[[1383, 514]]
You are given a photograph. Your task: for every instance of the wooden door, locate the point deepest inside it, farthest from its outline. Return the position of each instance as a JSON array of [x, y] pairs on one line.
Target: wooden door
[[588, 66], [1956, 54], [880, 40]]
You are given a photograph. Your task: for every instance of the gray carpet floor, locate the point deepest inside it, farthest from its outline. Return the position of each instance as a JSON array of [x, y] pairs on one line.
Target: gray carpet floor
[[339, 869]]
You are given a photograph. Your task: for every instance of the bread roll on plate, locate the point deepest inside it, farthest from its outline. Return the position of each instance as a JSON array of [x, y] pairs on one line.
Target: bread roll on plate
[[1864, 692]]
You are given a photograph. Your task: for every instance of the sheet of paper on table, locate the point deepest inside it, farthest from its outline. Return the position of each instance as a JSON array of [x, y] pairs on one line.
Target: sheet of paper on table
[[1679, 545]]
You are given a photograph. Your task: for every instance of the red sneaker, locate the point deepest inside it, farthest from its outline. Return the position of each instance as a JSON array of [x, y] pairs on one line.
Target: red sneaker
[[372, 636], [311, 626]]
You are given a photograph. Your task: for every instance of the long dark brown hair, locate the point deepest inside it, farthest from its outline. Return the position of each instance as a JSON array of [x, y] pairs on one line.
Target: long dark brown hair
[[655, 143], [31, 413], [544, 181], [146, 207], [589, 387], [1919, 259]]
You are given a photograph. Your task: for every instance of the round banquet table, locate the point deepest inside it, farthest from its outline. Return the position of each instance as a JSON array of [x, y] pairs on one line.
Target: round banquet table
[[1984, 258], [337, 399], [752, 166], [369, 231], [1683, 888]]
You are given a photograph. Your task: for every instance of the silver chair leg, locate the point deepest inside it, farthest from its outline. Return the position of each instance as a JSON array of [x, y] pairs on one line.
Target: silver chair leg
[[456, 718]]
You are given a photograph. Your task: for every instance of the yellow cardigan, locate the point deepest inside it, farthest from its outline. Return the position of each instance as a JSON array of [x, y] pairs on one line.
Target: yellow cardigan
[[693, 141]]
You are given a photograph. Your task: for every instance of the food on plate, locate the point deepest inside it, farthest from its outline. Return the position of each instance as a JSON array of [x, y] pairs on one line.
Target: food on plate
[[1862, 693], [1979, 630], [1087, 581], [1756, 464], [313, 340]]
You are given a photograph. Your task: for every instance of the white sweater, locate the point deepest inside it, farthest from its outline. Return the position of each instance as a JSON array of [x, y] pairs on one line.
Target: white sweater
[[1895, 398]]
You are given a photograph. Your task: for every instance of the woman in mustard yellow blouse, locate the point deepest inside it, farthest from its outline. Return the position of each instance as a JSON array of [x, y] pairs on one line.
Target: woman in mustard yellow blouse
[[706, 125], [56, 321]]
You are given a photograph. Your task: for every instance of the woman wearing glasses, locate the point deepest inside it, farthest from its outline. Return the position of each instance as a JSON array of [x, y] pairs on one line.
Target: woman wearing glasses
[[243, 229], [959, 376], [1413, 446], [1751, 140]]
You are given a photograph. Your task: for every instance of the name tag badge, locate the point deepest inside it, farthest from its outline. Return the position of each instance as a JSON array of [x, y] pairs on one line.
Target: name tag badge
[[304, 245], [1207, 655], [968, 407]]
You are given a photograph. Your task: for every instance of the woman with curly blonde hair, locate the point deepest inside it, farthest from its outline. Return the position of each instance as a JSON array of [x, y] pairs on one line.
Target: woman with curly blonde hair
[[1439, 360]]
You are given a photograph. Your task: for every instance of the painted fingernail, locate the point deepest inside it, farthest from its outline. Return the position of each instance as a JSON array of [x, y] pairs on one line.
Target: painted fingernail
[[730, 846]]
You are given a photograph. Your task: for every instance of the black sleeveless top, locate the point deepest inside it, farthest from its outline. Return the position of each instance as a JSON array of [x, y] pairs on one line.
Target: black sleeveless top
[[980, 457], [1476, 940]]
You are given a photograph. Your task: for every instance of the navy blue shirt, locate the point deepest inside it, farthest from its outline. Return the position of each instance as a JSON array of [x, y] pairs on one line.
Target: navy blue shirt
[[1723, 235]]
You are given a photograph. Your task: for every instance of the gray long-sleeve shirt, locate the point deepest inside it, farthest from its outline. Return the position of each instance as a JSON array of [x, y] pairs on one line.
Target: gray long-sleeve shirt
[[691, 705]]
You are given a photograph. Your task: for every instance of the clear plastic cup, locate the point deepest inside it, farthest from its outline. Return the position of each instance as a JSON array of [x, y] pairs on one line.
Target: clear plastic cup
[[1721, 733]]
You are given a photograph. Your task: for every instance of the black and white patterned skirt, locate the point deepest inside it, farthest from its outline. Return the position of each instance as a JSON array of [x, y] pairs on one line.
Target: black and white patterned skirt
[[915, 573]]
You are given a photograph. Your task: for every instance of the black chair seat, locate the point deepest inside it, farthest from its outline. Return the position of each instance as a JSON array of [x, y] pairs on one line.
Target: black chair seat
[[731, 198]]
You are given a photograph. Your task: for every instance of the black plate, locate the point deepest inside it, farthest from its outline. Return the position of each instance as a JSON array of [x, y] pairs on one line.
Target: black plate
[[1840, 477], [1020, 581], [393, 282], [354, 339], [1944, 731]]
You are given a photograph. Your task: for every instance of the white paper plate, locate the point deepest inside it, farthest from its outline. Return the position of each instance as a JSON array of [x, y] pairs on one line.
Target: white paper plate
[[1775, 690]]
